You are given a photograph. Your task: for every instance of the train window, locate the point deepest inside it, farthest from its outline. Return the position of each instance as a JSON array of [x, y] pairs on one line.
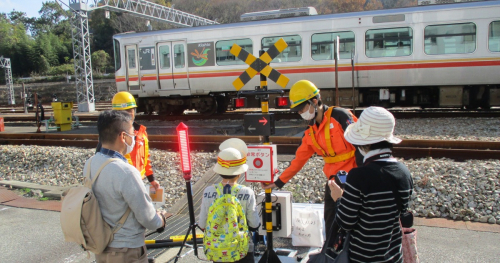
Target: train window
[[450, 39], [494, 36], [179, 56], [389, 42], [292, 53], [322, 45], [131, 58], [164, 56], [224, 57], [118, 58], [147, 58]]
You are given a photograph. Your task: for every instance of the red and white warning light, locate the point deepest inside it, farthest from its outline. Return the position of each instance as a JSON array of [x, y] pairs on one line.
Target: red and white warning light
[[183, 139]]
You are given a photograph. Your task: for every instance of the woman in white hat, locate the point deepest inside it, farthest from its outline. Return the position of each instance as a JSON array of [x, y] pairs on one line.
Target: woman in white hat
[[231, 163], [376, 193]]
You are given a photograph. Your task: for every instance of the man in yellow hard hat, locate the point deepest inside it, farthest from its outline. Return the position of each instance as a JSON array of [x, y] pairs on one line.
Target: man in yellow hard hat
[[325, 137], [139, 154]]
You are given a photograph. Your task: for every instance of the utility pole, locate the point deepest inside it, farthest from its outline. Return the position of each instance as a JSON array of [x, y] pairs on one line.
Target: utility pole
[[82, 57], [5, 63], [24, 100], [81, 42]]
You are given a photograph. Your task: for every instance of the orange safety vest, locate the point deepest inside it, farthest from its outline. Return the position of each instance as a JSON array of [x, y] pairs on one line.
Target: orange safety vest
[[330, 156], [139, 157], [326, 140]]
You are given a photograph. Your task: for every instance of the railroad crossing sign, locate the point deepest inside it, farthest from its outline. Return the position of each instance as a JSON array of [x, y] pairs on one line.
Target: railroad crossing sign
[[260, 65]]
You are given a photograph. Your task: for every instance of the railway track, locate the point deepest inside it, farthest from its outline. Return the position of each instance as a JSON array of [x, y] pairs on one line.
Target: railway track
[[279, 115], [457, 150]]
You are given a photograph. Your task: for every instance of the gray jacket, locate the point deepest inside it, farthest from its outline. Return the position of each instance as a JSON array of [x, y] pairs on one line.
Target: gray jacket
[[118, 187]]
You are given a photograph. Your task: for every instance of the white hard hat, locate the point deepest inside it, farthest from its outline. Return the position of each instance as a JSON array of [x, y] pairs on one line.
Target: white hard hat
[[231, 161], [235, 143]]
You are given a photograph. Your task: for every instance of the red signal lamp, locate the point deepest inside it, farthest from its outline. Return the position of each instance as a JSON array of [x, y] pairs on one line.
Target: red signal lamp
[[281, 102], [183, 139], [240, 102]]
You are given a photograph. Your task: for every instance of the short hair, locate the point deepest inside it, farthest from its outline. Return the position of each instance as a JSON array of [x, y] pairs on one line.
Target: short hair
[[111, 123], [227, 177], [381, 145]]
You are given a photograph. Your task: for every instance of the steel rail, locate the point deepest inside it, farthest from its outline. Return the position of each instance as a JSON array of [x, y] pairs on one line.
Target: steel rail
[[458, 150], [278, 116]]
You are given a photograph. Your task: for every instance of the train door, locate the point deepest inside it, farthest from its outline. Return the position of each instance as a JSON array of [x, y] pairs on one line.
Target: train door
[[172, 70], [133, 81], [147, 69]]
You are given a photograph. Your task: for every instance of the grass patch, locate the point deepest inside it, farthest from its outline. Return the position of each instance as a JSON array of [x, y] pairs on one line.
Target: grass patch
[[25, 190], [46, 198]]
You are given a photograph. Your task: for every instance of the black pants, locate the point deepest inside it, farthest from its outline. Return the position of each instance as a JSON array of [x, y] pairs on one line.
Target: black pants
[[330, 210]]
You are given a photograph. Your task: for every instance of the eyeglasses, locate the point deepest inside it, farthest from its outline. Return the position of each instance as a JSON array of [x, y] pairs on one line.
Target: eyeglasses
[[131, 136]]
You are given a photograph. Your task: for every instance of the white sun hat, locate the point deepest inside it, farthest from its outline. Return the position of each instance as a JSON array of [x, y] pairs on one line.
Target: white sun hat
[[235, 143], [375, 124], [231, 161]]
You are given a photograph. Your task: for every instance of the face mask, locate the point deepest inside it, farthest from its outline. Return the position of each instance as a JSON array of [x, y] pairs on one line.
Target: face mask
[[362, 151], [132, 144], [306, 115]]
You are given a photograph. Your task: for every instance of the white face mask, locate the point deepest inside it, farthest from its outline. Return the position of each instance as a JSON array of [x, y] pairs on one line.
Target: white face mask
[[306, 115], [132, 144]]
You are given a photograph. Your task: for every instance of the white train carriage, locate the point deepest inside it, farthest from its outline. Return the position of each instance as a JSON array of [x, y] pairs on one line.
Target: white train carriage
[[428, 56]]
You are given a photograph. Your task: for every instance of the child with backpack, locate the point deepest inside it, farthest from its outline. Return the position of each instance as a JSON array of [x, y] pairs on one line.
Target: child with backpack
[[228, 209]]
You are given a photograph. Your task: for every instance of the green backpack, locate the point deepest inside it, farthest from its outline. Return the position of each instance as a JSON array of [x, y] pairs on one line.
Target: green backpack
[[226, 234]]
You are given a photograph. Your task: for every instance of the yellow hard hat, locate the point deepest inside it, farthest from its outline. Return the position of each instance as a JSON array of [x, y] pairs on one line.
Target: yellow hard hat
[[123, 101], [300, 92]]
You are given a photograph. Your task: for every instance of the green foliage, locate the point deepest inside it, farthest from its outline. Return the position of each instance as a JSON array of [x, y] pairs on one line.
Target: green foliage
[[25, 190], [100, 60], [62, 70], [43, 45], [45, 198]]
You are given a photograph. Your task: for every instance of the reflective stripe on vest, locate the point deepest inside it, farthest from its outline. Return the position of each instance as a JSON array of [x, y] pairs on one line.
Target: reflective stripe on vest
[[331, 157]]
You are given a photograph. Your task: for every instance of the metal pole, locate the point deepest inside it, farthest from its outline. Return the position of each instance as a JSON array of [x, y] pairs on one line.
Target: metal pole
[[264, 101], [24, 100], [192, 223], [269, 209], [335, 43], [352, 77], [269, 256], [191, 216]]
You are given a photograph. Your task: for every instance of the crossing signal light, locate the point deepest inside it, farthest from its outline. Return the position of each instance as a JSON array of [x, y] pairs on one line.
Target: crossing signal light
[[240, 102], [281, 102]]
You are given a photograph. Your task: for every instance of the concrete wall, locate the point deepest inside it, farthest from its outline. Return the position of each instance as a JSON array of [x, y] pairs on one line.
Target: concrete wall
[[103, 91]]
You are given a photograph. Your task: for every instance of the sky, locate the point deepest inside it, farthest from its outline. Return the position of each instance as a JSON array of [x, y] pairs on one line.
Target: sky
[[30, 7]]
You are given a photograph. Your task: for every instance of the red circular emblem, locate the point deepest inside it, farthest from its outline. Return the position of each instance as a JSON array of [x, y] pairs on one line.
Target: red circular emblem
[[257, 162]]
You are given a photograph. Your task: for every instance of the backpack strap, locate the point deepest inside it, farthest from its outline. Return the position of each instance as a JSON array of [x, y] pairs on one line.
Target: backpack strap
[[89, 183], [226, 189], [122, 221]]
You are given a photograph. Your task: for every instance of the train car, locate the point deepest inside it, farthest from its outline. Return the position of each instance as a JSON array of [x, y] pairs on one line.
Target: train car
[[427, 56]]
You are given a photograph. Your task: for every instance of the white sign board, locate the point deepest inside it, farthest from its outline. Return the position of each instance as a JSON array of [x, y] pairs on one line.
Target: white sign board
[[262, 161]]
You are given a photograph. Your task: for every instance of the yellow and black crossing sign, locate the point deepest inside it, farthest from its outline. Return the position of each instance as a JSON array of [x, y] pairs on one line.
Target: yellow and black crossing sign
[[260, 65]]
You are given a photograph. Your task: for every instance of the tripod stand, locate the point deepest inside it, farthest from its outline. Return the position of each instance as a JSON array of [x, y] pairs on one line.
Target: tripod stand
[[192, 224]]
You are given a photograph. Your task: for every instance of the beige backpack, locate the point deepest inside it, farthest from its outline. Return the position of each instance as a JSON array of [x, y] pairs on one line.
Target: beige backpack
[[81, 219]]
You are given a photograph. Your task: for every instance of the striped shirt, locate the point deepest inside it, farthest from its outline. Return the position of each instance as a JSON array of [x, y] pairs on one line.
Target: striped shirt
[[369, 209]]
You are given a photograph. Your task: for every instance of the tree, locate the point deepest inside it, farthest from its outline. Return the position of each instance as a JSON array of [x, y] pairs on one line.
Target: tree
[[100, 60], [43, 65]]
